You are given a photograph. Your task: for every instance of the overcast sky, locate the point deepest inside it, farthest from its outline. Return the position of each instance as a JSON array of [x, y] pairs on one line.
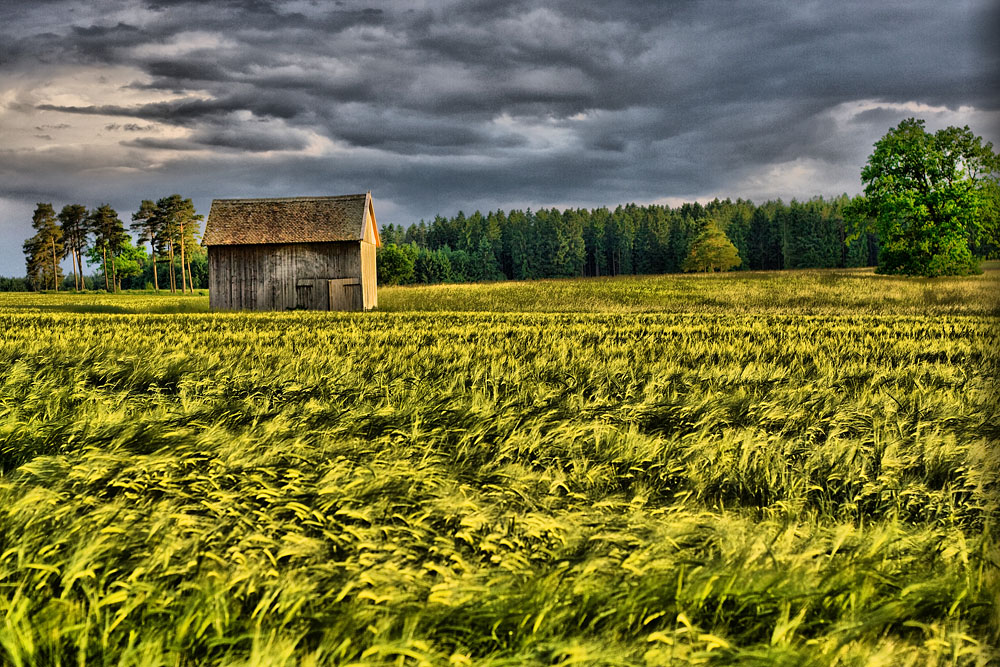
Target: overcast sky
[[477, 104]]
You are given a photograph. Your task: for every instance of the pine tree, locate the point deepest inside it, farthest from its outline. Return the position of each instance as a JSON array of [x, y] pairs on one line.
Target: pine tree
[[489, 267], [148, 222], [390, 234], [109, 236], [178, 229], [595, 242], [45, 249], [73, 222]]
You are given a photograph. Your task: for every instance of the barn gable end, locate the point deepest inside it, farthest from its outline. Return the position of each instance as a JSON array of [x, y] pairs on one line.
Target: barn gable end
[[370, 225]]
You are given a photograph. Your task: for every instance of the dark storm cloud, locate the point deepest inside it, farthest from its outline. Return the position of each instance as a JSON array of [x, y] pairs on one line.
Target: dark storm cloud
[[410, 134], [486, 58], [442, 105], [169, 73], [116, 35], [188, 112], [521, 59], [237, 139]]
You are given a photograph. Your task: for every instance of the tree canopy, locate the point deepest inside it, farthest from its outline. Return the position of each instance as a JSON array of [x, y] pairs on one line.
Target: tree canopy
[[98, 237], [711, 251], [928, 197], [73, 222], [109, 238], [170, 226], [45, 249]]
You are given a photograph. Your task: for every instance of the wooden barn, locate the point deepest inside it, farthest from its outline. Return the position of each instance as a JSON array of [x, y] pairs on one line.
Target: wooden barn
[[314, 253]]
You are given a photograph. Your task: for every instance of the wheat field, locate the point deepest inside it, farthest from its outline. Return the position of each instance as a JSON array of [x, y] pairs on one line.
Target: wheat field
[[792, 468]]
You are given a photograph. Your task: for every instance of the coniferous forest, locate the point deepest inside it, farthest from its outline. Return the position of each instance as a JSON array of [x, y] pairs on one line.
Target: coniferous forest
[[631, 239]]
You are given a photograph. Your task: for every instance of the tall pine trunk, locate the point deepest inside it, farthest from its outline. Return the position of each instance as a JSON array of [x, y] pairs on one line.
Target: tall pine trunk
[[79, 261], [152, 251], [183, 277], [79, 265], [190, 277], [104, 255], [55, 272], [173, 276]]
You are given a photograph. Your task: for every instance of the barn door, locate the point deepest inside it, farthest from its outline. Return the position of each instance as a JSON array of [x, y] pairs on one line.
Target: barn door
[[345, 294], [310, 294]]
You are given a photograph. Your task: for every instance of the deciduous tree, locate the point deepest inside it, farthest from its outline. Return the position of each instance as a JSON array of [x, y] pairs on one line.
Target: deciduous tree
[[925, 197], [394, 264], [711, 250]]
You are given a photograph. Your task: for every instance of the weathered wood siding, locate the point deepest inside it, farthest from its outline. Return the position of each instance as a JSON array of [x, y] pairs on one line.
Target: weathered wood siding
[[283, 276]]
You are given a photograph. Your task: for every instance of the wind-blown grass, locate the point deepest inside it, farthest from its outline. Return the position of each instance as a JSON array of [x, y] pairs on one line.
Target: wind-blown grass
[[810, 292], [790, 484]]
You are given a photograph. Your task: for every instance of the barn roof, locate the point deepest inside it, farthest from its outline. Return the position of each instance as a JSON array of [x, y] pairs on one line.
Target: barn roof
[[288, 220]]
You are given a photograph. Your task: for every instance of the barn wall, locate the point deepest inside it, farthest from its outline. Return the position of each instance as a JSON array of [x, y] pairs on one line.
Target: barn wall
[[369, 276], [279, 277]]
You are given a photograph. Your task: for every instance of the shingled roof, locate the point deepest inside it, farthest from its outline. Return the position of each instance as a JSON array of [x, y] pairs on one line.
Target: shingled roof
[[287, 220]]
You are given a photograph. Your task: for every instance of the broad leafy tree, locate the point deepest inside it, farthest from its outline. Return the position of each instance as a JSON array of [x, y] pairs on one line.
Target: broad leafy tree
[[129, 261], [394, 264], [926, 197], [711, 250]]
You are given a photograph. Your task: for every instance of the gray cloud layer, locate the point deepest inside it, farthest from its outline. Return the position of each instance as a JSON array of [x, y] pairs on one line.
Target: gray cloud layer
[[438, 106]]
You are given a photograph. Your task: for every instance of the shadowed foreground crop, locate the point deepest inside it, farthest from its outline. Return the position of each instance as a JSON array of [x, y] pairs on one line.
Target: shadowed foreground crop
[[794, 484]]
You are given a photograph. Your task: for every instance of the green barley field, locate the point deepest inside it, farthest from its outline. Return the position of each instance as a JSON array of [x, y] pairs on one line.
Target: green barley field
[[794, 468]]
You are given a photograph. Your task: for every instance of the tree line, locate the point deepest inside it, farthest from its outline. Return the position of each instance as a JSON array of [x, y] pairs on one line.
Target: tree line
[[631, 239], [98, 236], [931, 207]]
